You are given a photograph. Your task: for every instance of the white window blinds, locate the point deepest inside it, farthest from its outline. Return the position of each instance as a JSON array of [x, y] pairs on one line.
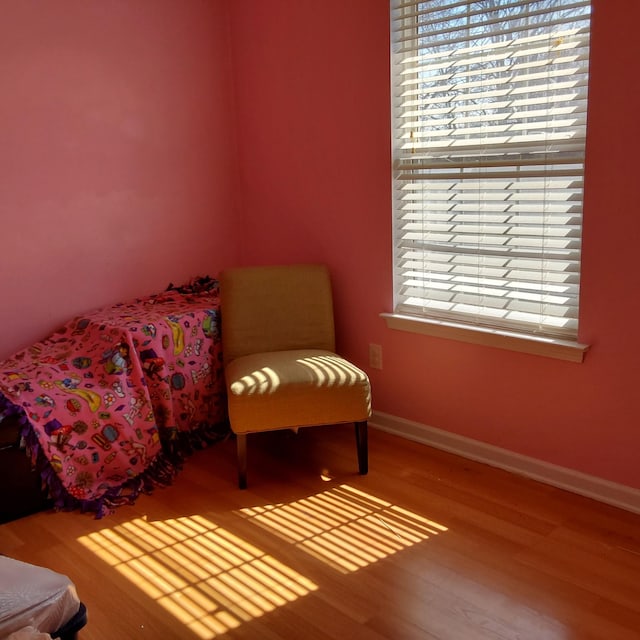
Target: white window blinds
[[490, 102]]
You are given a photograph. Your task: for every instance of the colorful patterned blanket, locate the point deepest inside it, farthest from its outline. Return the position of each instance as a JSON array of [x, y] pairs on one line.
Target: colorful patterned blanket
[[112, 400]]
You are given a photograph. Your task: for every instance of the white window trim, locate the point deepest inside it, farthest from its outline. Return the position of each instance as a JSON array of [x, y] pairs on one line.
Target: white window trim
[[498, 338]]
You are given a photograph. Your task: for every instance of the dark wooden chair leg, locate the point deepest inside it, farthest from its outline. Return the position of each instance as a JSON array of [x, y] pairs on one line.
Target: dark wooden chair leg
[[363, 447], [241, 439]]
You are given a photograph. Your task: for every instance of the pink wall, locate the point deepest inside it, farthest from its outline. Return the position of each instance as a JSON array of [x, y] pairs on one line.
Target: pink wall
[[313, 112], [118, 175], [117, 166]]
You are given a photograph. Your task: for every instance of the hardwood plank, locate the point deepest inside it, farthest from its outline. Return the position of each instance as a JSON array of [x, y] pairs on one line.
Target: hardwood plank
[[426, 546]]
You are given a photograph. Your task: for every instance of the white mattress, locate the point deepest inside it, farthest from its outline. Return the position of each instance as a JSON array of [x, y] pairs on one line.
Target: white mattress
[[32, 596]]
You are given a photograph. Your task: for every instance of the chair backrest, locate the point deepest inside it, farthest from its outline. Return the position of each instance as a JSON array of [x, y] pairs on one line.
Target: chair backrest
[[276, 308]]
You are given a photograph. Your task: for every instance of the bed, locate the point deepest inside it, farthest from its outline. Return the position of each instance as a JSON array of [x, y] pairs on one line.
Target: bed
[[110, 403], [35, 600]]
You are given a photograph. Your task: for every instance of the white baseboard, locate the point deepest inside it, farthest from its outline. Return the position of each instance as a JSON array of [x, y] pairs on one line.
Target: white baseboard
[[611, 493]]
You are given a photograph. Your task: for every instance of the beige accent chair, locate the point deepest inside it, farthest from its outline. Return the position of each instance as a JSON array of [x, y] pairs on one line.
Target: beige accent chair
[[281, 368]]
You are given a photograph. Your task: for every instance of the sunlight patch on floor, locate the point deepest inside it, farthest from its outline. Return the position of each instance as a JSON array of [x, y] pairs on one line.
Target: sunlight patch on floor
[[212, 581], [344, 527], [208, 578]]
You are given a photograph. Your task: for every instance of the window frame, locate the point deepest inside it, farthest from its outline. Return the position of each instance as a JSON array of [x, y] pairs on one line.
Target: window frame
[[470, 328]]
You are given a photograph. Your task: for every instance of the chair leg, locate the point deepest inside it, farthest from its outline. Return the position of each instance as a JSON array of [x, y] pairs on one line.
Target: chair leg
[[241, 439], [363, 447]]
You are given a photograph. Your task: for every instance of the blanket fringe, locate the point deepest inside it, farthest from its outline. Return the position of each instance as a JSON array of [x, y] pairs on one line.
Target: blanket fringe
[[161, 473]]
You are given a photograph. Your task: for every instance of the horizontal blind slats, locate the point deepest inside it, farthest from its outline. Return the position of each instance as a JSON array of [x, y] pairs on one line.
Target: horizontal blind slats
[[490, 102], [564, 47], [406, 10]]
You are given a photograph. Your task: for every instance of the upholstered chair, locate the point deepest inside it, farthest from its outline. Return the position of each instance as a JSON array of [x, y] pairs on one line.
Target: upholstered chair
[[281, 369]]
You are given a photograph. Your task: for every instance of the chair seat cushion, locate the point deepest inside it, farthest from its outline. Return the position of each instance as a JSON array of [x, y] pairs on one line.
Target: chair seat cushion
[[282, 389]]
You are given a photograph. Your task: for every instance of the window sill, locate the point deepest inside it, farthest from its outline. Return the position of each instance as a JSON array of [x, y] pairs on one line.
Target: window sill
[[547, 347]]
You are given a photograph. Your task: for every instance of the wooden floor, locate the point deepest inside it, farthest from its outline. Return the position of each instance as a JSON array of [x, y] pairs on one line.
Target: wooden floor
[[427, 546]]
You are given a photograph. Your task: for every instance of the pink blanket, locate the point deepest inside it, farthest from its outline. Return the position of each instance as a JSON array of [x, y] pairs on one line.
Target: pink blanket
[[112, 398]]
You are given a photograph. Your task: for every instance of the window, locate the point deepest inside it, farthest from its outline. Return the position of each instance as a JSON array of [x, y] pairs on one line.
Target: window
[[490, 102]]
